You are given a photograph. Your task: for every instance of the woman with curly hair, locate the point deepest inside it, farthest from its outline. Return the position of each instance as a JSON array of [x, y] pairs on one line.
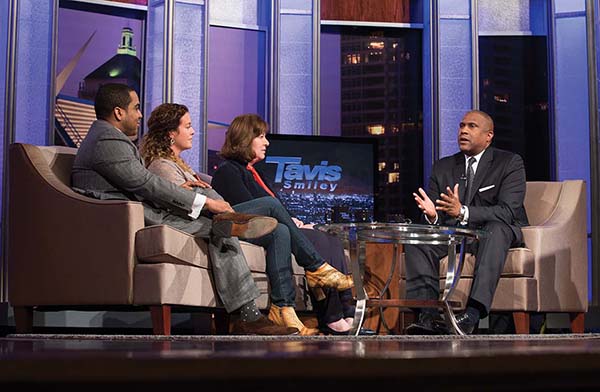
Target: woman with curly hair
[[161, 152], [170, 132]]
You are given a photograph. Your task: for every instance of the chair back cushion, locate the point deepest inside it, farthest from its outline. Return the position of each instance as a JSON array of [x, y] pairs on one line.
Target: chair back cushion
[[60, 162], [205, 177], [541, 199]]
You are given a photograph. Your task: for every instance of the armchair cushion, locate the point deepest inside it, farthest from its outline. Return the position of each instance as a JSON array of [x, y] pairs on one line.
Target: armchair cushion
[[519, 262], [176, 284], [517, 293], [165, 244]]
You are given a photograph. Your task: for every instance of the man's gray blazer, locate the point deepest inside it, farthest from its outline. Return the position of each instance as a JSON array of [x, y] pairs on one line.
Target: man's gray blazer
[[109, 166]]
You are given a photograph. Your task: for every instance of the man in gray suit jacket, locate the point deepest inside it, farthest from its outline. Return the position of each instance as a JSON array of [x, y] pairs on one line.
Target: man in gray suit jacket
[[108, 166], [489, 197]]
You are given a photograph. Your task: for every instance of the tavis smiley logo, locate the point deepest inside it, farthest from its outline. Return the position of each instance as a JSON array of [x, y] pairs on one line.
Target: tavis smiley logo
[[293, 175]]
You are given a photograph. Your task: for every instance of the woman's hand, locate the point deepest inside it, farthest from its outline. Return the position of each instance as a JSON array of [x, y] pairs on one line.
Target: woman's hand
[[298, 222], [197, 183], [217, 206]]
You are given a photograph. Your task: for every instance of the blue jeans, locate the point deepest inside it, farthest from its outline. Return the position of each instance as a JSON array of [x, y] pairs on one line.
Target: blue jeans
[[280, 244]]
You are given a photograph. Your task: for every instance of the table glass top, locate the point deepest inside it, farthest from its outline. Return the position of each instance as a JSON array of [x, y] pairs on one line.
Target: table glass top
[[406, 233]]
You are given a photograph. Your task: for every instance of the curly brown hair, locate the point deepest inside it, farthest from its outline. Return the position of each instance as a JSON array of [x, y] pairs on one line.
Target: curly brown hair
[[157, 142], [238, 139]]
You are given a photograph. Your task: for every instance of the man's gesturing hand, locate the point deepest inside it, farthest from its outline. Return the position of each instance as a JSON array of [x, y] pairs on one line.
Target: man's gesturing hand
[[449, 202], [425, 204]]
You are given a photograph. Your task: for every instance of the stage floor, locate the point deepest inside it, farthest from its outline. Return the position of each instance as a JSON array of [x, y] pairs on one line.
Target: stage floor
[[492, 362]]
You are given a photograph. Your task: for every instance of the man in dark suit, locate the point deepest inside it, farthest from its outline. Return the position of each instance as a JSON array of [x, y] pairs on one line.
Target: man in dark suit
[[479, 187], [108, 166]]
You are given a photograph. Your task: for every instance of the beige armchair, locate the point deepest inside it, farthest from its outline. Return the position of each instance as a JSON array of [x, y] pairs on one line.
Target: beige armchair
[[557, 241], [550, 274], [68, 251]]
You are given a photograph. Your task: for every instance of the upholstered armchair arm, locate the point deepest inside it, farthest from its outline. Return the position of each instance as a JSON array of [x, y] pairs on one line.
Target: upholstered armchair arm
[[559, 246]]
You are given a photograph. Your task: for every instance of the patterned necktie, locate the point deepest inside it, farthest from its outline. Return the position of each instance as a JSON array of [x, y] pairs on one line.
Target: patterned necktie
[[470, 177]]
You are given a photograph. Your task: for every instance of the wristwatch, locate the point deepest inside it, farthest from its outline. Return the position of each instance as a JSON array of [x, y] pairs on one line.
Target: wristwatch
[[461, 213]]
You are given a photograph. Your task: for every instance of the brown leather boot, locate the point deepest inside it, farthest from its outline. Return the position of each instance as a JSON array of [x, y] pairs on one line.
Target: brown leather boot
[[244, 226], [286, 315], [262, 326], [327, 277]]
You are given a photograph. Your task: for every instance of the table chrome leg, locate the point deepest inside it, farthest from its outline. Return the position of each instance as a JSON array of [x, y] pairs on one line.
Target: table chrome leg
[[359, 317], [361, 294], [452, 277], [451, 319]]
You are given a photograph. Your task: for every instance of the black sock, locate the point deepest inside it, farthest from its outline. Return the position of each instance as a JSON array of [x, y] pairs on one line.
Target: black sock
[[474, 309], [249, 312]]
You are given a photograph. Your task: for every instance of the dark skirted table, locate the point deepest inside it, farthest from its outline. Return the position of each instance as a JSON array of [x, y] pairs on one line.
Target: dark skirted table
[[356, 235]]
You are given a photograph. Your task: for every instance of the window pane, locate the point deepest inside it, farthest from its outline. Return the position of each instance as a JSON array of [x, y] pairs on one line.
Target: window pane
[[514, 91], [94, 48], [371, 86], [236, 81]]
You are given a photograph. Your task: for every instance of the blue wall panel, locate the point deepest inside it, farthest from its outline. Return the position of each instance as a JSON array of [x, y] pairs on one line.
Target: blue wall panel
[[239, 12], [454, 7], [297, 5], [189, 73], [429, 101], [572, 97], [506, 16], [538, 17], [33, 73], [569, 5], [455, 71], [3, 47], [572, 113], [295, 68]]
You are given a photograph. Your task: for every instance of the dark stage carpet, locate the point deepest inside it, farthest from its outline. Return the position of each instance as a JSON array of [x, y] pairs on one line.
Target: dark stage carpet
[[289, 364]]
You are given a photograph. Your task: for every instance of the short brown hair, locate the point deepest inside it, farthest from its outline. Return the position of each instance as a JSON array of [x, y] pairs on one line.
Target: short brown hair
[[238, 139]]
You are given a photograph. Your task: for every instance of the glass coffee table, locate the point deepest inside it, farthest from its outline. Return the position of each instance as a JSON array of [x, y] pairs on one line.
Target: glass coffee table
[[356, 235]]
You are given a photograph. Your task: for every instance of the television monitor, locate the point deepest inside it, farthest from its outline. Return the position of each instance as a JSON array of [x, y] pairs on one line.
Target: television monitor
[[322, 179]]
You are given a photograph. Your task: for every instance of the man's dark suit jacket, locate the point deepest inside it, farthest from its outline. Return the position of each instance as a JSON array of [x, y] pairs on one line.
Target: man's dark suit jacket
[[498, 188]]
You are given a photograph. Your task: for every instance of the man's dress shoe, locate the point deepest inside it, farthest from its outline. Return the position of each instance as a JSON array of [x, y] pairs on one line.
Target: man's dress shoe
[[467, 323], [244, 226], [426, 324]]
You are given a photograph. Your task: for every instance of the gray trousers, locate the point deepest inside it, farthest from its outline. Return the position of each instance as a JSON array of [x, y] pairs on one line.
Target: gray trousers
[[423, 265], [233, 279]]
